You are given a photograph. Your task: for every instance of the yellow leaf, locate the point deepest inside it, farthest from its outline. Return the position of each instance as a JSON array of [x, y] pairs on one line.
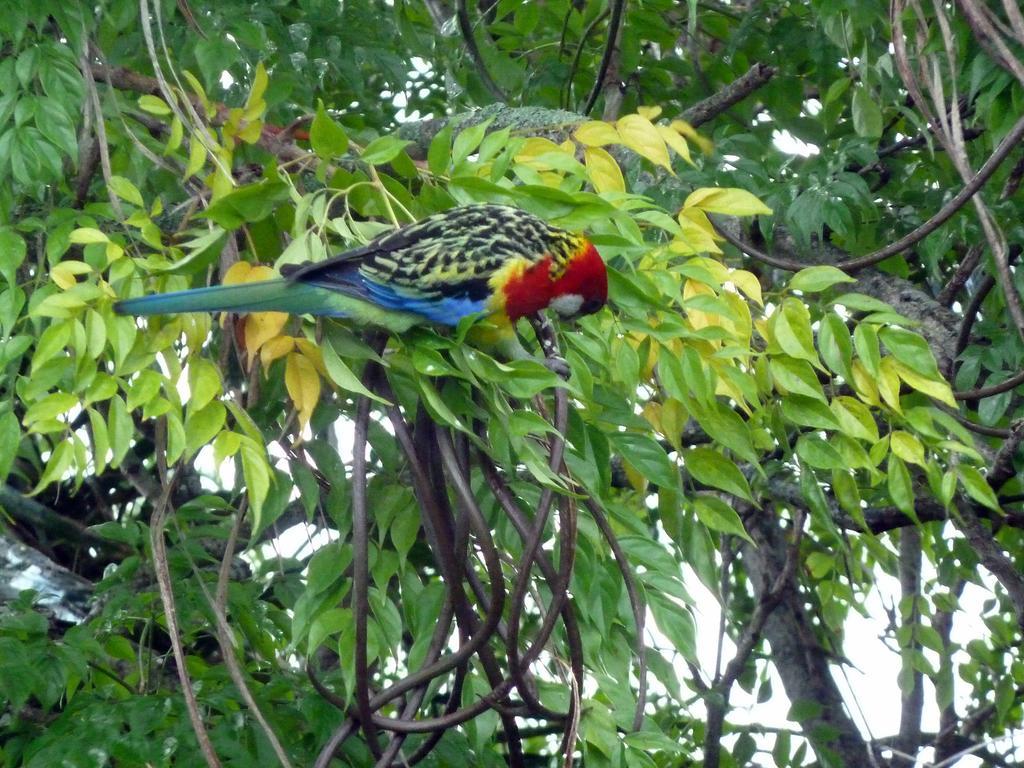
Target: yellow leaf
[[730, 201], [275, 348], [312, 351], [907, 447], [261, 327], [603, 171], [303, 384], [596, 133], [687, 131], [651, 113], [889, 383], [640, 135], [237, 273], [677, 142], [748, 283], [940, 390]]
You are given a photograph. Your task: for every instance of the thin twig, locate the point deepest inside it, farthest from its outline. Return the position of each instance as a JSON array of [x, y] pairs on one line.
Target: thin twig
[[614, 25]]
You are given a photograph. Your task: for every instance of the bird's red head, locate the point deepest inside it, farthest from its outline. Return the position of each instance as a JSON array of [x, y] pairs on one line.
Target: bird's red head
[[577, 286]]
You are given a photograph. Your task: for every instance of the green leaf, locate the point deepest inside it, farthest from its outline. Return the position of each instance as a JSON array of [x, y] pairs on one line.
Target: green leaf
[[439, 152], [911, 350], [796, 377], [834, 345], [719, 516], [818, 453], [901, 488], [819, 278], [867, 117], [327, 138], [342, 375], [120, 429], [711, 468], [676, 623], [865, 341], [257, 478], [647, 457], [10, 440], [383, 150], [977, 487], [468, 140], [203, 424], [793, 331], [203, 382], [808, 412], [12, 253]]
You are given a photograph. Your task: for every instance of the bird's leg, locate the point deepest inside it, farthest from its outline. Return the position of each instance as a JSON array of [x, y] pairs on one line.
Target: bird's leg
[[545, 332]]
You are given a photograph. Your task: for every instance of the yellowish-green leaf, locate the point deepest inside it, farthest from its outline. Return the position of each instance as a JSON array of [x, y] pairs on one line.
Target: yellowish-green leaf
[[937, 388], [154, 105], [697, 235], [690, 133], [651, 113], [676, 142], [63, 274], [125, 190], [603, 171], [86, 236], [596, 133], [792, 329], [254, 105], [748, 283], [726, 200], [818, 278], [639, 134], [907, 447], [196, 158], [889, 384]]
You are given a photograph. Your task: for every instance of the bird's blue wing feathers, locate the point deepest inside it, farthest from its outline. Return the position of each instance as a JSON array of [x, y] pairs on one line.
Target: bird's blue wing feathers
[[445, 310]]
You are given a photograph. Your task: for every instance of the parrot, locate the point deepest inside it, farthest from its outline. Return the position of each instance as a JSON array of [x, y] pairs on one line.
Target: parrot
[[488, 259]]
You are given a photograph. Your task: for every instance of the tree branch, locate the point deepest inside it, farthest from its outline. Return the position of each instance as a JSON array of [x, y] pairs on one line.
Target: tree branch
[[708, 109]]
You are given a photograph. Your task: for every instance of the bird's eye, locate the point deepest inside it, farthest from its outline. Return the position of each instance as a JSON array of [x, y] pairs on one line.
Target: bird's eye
[[590, 306]]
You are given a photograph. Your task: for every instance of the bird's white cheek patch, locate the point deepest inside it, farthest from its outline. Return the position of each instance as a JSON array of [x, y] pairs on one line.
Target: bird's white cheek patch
[[567, 305]]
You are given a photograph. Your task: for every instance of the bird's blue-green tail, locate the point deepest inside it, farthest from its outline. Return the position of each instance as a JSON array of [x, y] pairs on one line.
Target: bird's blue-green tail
[[278, 295], [264, 296]]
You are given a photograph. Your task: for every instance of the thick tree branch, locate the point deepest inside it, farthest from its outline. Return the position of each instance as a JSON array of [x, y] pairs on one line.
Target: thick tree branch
[[708, 109]]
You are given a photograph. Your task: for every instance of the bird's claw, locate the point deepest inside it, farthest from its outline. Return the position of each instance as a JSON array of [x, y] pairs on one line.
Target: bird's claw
[[558, 366]]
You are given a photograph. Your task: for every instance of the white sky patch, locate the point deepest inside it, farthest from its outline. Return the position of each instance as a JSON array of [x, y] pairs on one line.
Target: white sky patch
[[786, 142]]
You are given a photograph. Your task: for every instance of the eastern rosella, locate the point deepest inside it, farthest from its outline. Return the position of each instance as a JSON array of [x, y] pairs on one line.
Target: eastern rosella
[[490, 259]]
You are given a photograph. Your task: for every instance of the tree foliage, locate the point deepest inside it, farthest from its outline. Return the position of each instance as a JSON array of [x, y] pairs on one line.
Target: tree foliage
[[803, 400]]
